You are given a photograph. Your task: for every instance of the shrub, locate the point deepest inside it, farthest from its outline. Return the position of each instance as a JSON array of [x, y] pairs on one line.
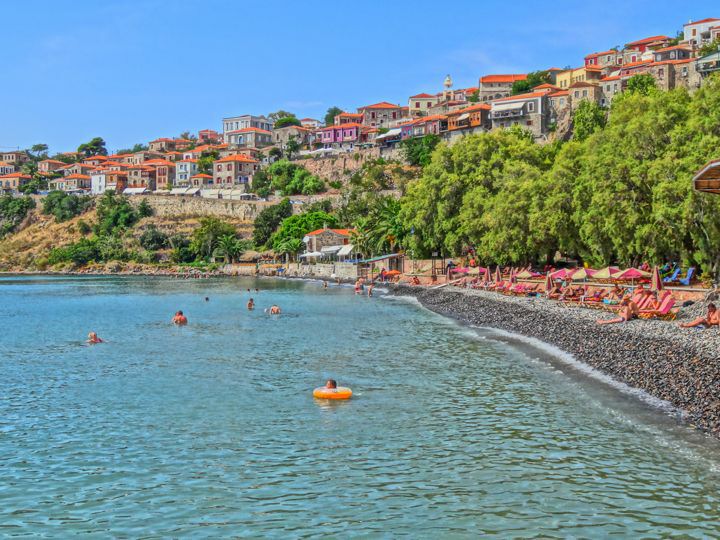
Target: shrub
[[65, 206], [153, 239]]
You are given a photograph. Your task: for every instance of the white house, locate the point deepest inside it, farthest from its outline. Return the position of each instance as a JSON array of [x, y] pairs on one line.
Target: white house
[[700, 33], [185, 169]]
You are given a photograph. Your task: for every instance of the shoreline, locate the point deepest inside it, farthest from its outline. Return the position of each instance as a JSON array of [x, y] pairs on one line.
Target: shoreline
[[673, 365]]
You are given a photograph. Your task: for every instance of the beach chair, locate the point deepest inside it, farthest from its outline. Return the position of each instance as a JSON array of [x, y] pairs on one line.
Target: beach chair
[[673, 276], [686, 280], [665, 311]]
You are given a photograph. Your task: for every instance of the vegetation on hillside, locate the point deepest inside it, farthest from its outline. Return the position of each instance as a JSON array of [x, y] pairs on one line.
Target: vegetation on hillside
[[12, 211]]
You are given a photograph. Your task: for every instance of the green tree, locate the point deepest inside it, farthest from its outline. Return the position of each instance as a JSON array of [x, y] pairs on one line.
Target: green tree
[[292, 147], [65, 206], [293, 179], [290, 247], [268, 220], [95, 147], [115, 214], [418, 151], [286, 121], [474, 97], [12, 211], [206, 237], [587, 118], [709, 48], [153, 239], [206, 160], [330, 115], [299, 225], [277, 115], [230, 248], [38, 151], [641, 84], [534, 78], [261, 184]]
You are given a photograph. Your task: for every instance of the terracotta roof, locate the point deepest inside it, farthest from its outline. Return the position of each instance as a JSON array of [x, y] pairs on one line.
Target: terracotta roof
[[116, 172], [522, 96], [422, 96], [595, 55], [76, 176], [674, 62], [163, 139], [582, 84], [17, 175], [51, 161], [471, 108], [381, 105], [554, 69], [342, 126], [647, 40], [559, 94], [701, 21], [201, 175], [4, 164], [503, 78], [613, 78], [546, 86], [674, 47], [593, 68], [246, 130], [188, 161], [159, 163], [237, 158], [342, 232], [637, 64]]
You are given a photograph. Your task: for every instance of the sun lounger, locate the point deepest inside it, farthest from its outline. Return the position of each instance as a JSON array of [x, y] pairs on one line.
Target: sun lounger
[[673, 276], [665, 311], [686, 280]]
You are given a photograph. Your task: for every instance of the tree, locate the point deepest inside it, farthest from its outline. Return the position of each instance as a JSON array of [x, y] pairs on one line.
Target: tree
[[206, 160], [293, 179], [292, 146], [299, 225], [289, 247], [418, 151], [277, 115], [230, 248], [38, 151], [709, 48], [206, 237], [65, 206], [330, 115], [268, 220], [187, 136], [12, 211], [137, 147], [534, 78], [261, 184], [587, 118], [286, 121], [642, 84], [95, 147], [115, 214], [275, 153], [153, 238], [474, 97]]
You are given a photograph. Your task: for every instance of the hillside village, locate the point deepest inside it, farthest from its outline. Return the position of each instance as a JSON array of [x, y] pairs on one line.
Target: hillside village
[[222, 164]]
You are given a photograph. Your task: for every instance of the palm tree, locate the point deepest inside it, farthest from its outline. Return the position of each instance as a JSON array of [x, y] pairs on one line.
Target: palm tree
[[290, 247], [387, 230], [362, 238], [229, 248]]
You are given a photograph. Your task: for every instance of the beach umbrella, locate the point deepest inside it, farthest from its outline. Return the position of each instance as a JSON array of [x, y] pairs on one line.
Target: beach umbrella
[[525, 275], [486, 271], [606, 273], [498, 277], [513, 277], [630, 273], [559, 274], [582, 273], [656, 283]]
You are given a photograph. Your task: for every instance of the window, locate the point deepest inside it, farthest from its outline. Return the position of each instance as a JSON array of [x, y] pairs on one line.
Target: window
[[218, 168], [584, 93], [394, 115], [577, 94], [529, 123], [417, 104], [531, 106], [228, 167], [684, 72]]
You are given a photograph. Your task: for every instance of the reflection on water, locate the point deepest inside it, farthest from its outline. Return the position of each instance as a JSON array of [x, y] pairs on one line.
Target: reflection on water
[[212, 430]]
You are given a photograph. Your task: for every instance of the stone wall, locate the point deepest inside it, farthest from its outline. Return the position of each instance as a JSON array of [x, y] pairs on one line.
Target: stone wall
[[339, 166], [181, 206]]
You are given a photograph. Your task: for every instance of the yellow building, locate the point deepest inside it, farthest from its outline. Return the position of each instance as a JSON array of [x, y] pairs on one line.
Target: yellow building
[[567, 78]]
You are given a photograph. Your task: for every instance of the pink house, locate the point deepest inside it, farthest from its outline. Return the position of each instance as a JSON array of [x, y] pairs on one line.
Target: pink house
[[342, 136]]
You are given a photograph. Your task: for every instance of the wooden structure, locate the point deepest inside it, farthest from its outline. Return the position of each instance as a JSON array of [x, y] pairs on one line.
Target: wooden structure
[[707, 179]]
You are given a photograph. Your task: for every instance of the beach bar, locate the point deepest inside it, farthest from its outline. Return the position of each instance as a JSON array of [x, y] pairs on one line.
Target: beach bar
[[707, 179]]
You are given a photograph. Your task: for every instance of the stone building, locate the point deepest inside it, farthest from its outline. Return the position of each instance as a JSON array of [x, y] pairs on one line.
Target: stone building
[[497, 86], [531, 111]]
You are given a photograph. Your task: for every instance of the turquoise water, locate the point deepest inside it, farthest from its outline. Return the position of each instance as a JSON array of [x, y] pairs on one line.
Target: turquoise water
[[211, 429]]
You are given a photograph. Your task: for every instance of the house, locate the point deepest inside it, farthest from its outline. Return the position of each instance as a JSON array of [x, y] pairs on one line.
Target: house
[[145, 155], [610, 87], [76, 168], [115, 180], [604, 60], [282, 135], [497, 86], [208, 136], [236, 169], [9, 183], [558, 101], [164, 173], [699, 33], [420, 104], [252, 137], [568, 77], [425, 125], [141, 176], [7, 168], [707, 65], [72, 182], [162, 144], [201, 180], [584, 91], [676, 52], [326, 238], [347, 136], [310, 123], [530, 111], [185, 169], [472, 119], [14, 158], [347, 118], [183, 144], [670, 74], [383, 114], [233, 124], [642, 49], [173, 155]]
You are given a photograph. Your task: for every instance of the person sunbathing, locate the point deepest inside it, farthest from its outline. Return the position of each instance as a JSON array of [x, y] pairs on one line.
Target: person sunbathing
[[712, 318], [555, 292], [617, 294], [628, 311]]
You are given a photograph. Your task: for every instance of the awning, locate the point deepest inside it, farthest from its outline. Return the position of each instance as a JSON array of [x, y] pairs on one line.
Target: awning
[[498, 107], [708, 178], [345, 250], [329, 250], [178, 191], [312, 254], [394, 132], [463, 116], [135, 191], [382, 258]]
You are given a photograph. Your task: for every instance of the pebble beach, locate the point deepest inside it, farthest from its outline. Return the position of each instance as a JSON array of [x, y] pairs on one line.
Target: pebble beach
[[677, 365]]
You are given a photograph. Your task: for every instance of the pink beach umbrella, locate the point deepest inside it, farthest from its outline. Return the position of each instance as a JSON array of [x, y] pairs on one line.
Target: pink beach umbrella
[[498, 277], [513, 278], [486, 271], [559, 274], [656, 283], [631, 274], [548, 283]]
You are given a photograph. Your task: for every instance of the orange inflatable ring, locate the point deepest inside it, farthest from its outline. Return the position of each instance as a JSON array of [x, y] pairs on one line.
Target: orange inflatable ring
[[332, 393]]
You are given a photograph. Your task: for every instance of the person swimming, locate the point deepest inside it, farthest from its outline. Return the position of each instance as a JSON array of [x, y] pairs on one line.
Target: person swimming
[[275, 310], [93, 338], [179, 319], [331, 383], [251, 304], [207, 299]]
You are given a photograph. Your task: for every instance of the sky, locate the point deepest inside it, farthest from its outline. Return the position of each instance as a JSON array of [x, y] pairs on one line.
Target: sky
[[134, 70]]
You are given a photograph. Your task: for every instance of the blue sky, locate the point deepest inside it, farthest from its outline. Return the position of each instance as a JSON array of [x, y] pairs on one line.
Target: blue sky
[[131, 71]]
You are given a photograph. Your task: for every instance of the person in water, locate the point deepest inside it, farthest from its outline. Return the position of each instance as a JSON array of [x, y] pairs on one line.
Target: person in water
[[251, 304], [179, 319], [274, 310], [93, 338], [207, 299], [324, 284], [370, 289], [331, 383]]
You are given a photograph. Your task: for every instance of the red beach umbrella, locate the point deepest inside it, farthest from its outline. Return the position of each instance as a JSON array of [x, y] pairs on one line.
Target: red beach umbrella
[[656, 283], [559, 274], [498, 277]]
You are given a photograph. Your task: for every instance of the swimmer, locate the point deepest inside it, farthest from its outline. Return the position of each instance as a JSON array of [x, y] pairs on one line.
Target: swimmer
[[248, 290], [370, 288], [93, 338], [207, 299], [251, 304], [324, 284], [257, 290], [331, 383], [179, 319], [274, 310]]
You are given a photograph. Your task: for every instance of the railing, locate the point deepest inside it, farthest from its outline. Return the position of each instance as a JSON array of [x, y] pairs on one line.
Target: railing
[[507, 114]]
